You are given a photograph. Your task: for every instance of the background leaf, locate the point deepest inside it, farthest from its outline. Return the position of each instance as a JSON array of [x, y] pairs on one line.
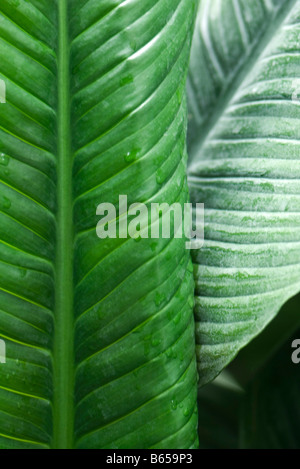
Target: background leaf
[[227, 38], [246, 172]]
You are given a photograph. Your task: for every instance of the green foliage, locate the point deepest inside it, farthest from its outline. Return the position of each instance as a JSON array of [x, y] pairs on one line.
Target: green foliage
[[254, 403], [99, 334], [244, 165]]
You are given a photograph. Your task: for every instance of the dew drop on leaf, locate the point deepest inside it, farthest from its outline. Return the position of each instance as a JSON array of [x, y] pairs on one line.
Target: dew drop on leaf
[[132, 155], [126, 80], [153, 247], [4, 159], [174, 404], [160, 176]]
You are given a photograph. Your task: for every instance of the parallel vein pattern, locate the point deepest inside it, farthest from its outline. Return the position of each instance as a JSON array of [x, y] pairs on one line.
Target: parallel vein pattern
[[134, 335], [227, 34], [27, 222], [248, 175], [117, 126]]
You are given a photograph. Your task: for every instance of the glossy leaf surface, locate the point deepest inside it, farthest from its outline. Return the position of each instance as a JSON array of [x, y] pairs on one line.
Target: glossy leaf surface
[[99, 333]]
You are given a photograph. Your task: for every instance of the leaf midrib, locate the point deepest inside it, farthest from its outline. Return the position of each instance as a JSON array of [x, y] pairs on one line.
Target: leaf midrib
[[63, 366], [234, 85]]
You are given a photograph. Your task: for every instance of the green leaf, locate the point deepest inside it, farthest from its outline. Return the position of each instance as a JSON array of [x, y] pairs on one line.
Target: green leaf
[[271, 411], [263, 348], [246, 171], [227, 38], [99, 333]]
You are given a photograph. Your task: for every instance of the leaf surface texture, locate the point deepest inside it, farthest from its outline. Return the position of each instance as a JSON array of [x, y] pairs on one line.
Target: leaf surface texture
[[99, 333], [245, 168]]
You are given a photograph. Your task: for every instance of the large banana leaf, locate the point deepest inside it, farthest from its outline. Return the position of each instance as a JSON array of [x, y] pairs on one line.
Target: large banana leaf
[[245, 167], [99, 333]]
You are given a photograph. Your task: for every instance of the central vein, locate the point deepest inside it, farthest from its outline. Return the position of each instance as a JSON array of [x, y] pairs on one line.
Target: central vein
[[63, 410]]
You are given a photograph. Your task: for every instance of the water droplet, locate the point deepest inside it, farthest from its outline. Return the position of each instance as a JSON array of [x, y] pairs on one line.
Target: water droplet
[[153, 247], [4, 159], [155, 342], [174, 404], [160, 176], [159, 298], [159, 160], [126, 80], [132, 155]]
